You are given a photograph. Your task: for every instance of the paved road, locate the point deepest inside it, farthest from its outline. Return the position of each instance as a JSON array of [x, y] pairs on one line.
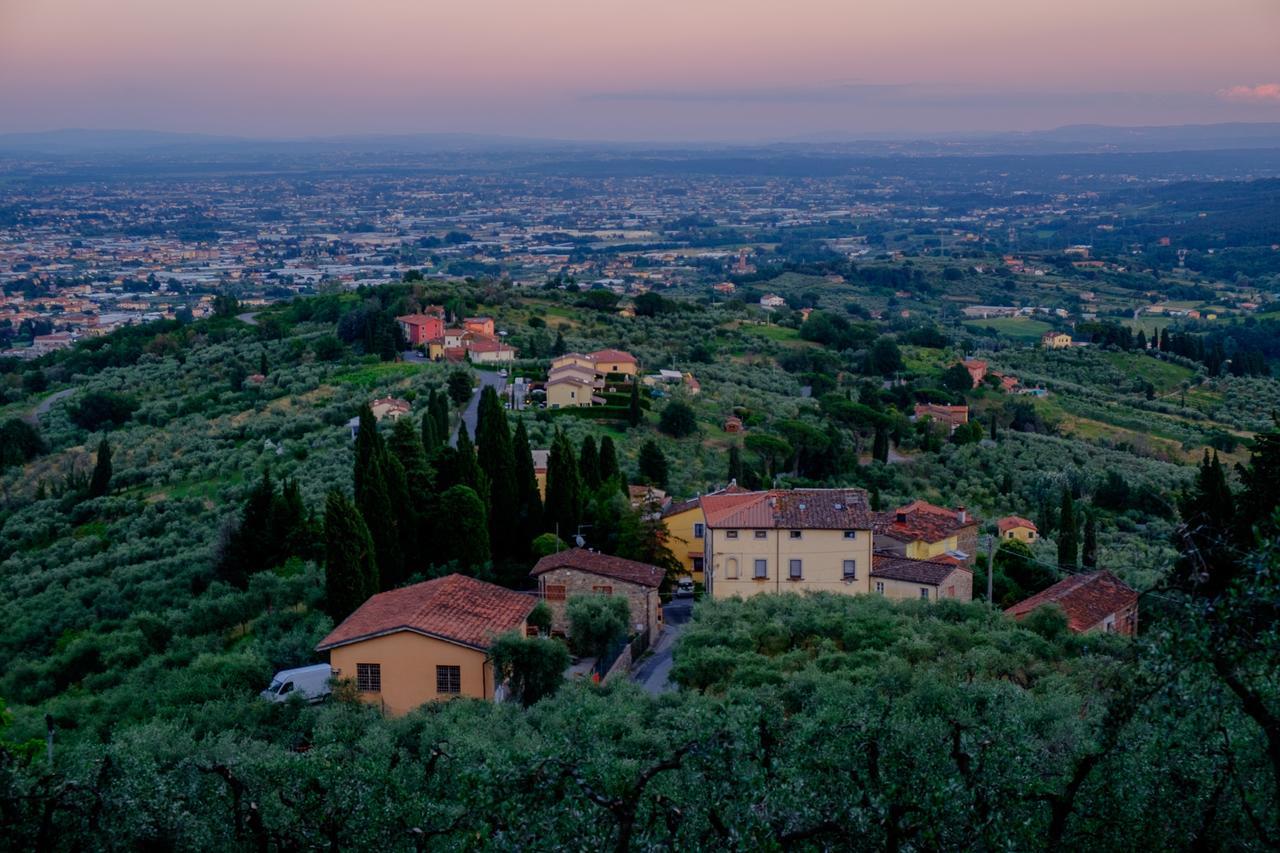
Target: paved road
[[654, 671], [33, 417], [472, 412], [250, 317]]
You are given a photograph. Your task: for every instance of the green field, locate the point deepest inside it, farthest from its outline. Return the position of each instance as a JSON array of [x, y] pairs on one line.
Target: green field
[[1018, 328]]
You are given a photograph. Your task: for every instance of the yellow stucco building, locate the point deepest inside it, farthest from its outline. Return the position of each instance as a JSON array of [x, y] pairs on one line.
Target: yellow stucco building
[[1017, 529], [787, 540], [426, 642]]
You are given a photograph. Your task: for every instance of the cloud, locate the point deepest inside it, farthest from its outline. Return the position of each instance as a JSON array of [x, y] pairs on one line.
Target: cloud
[[834, 93], [1262, 93]]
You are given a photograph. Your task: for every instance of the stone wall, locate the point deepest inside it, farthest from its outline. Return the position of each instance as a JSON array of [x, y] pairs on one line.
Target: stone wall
[[645, 607]]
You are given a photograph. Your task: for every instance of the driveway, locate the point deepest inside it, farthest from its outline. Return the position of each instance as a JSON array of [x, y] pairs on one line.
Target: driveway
[[33, 417], [654, 671], [488, 378]]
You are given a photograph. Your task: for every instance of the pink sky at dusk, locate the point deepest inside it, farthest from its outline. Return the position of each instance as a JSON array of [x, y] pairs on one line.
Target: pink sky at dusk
[[607, 69]]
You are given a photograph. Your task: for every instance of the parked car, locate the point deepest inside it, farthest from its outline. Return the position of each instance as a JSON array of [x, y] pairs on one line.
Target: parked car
[[309, 682], [502, 372], [684, 588]]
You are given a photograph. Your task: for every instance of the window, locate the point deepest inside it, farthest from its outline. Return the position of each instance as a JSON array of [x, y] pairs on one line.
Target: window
[[796, 534], [731, 567], [288, 687], [797, 571], [880, 587], [698, 531], [850, 570], [602, 590], [553, 592], [697, 564], [762, 534], [762, 568], [369, 677], [731, 534], [851, 534], [924, 593], [448, 679], [951, 591], [1009, 535]]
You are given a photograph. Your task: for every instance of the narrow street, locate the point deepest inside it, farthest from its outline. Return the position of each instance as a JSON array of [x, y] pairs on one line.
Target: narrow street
[[654, 671], [470, 415]]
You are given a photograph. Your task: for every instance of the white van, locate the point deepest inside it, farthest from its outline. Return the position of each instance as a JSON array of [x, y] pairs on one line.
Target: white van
[[309, 682]]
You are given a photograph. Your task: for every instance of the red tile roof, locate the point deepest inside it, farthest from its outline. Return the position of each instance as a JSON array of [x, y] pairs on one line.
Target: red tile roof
[[796, 509], [1009, 522], [694, 503], [1087, 599], [456, 608], [595, 563], [929, 572], [612, 355], [921, 521]]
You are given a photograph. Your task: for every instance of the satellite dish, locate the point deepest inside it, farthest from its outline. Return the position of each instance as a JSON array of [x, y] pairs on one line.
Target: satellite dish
[[579, 540]]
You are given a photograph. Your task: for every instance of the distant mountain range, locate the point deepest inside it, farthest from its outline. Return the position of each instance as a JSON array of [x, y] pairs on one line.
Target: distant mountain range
[[1082, 138]]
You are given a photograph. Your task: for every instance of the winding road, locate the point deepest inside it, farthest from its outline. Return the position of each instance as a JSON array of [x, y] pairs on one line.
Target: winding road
[[470, 415], [43, 407], [654, 672]]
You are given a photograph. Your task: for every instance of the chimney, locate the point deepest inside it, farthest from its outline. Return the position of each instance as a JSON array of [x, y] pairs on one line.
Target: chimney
[[962, 515]]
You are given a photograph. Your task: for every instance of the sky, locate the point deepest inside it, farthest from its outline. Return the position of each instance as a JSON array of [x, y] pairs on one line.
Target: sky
[[644, 70]]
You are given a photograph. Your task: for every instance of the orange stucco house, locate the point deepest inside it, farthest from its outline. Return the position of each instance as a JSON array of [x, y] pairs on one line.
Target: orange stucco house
[[426, 642]]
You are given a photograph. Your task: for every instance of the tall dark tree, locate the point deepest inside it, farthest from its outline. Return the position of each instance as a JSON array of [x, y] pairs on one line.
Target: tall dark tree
[[559, 347], [1260, 479], [734, 473], [653, 464], [470, 473], [429, 435], [405, 444], [439, 407], [563, 508], [374, 502], [460, 384], [368, 448], [634, 413], [249, 544], [350, 568], [609, 469], [1089, 548], [497, 461], [1068, 542], [589, 464], [100, 482], [528, 498], [880, 445], [468, 524]]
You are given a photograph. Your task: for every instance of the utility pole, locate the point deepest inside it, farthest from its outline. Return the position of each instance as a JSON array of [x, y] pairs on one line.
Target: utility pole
[[991, 560]]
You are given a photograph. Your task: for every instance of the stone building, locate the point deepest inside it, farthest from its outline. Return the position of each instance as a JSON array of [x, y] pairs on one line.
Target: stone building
[[581, 572]]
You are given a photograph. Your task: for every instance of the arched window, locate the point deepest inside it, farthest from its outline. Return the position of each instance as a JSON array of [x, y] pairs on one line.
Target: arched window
[[731, 567]]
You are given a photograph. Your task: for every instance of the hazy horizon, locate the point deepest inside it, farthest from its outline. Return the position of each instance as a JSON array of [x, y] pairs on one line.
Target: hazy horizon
[[714, 71]]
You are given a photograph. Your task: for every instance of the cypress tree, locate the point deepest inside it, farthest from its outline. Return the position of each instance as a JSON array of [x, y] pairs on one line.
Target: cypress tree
[[262, 363], [1142, 340], [880, 446], [735, 464], [1089, 550], [289, 524], [249, 545], [496, 460], [469, 472], [563, 507], [100, 482], [1068, 545], [374, 503], [529, 520], [368, 447], [995, 428], [1261, 480], [609, 469], [559, 347], [469, 526], [350, 569], [634, 414], [653, 464], [405, 444], [430, 437], [589, 465], [440, 410]]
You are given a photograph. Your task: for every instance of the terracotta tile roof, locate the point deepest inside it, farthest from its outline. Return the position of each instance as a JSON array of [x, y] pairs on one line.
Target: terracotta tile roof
[[1009, 522], [1087, 599], [929, 572], [694, 503], [456, 608], [595, 563], [612, 355], [795, 509], [920, 521]]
